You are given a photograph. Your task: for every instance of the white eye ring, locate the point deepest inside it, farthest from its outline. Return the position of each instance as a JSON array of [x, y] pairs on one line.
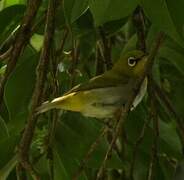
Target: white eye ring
[[132, 61]]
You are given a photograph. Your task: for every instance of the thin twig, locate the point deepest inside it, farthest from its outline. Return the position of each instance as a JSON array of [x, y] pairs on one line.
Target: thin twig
[[21, 39], [38, 23], [117, 128], [65, 35], [10, 40], [89, 153], [75, 58], [139, 24], [106, 49], [136, 146], [6, 54], [154, 117], [172, 161], [42, 67], [99, 60], [54, 116], [20, 173]]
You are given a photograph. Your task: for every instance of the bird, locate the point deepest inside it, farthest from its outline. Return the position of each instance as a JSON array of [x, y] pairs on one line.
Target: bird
[[103, 95]]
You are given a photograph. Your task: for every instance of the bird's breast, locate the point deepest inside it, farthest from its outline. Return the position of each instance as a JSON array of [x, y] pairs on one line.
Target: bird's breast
[[103, 102]]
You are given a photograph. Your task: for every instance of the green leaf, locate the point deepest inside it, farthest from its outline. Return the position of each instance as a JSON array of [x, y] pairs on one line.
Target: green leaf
[[173, 76], [87, 44], [3, 69], [83, 25], [159, 15], [112, 27], [156, 70], [74, 9], [3, 129], [9, 18], [7, 3], [37, 41], [177, 13], [167, 168], [60, 171], [79, 8], [7, 149], [152, 34], [18, 90], [169, 140], [130, 45], [176, 58], [6, 170], [110, 10], [74, 138], [179, 173]]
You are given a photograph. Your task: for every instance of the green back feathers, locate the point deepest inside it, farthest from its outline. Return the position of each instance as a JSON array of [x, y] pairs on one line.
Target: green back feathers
[[120, 74]]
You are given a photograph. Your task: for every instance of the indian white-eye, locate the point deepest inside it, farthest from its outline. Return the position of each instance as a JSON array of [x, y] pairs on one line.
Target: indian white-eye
[[103, 95]]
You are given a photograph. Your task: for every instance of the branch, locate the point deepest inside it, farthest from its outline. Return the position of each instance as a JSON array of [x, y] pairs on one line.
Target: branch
[[139, 24], [75, 61], [21, 39], [24, 146], [154, 117], [54, 113], [106, 49], [6, 54], [136, 146], [60, 50], [11, 38], [99, 60], [88, 154], [128, 105]]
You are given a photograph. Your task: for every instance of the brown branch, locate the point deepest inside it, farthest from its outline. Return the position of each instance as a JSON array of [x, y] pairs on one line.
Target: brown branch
[[24, 146], [65, 35], [75, 59], [6, 54], [10, 40], [117, 130], [106, 43], [54, 114], [99, 60], [21, 39], [139, 24], [125, 110], [154, 117], [20, 173], [39, 22]]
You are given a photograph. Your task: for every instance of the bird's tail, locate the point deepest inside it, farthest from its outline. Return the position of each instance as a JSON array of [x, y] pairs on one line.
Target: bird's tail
[[51, 105], [45, 107], [60, 102]]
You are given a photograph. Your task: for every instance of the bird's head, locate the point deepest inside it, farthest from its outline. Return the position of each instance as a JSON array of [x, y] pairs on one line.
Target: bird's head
[[132, 63]]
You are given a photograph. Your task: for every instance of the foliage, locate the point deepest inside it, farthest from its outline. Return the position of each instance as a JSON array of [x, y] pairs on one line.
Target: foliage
[[88, 35]]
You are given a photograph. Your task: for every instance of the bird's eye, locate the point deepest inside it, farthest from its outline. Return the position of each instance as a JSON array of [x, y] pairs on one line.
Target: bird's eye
[[132, 61]]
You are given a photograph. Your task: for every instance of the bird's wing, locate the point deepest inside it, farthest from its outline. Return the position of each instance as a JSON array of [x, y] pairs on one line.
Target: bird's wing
[[101, 81]]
